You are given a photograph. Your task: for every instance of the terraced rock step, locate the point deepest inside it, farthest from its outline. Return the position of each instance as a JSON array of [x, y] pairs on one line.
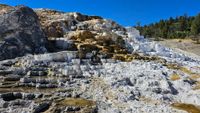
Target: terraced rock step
[[94, 65], [52, 86]]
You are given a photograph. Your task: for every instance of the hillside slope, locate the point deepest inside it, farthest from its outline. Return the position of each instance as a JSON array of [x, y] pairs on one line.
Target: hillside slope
[[187, 45], [135, 75]]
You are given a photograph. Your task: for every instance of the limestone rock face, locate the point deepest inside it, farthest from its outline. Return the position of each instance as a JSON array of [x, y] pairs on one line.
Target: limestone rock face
[[82, 30], [20, 32], [4, 8], [56, 24]]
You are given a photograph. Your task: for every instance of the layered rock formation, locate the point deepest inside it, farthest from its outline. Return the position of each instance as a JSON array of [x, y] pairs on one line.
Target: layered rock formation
[[20, 32], [64, 31], [82, 30], [154, 79]]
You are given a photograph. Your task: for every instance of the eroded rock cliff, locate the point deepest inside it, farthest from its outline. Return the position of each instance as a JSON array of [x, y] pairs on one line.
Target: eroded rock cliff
[[20, 32]]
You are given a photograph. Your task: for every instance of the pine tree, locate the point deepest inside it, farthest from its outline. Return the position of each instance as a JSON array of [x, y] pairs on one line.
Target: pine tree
[[183, 22], [178, 27], [195, 28]]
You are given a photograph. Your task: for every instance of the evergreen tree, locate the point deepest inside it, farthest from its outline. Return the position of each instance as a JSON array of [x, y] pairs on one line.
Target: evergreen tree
[[183, 23], [178, 27], [195, 27]]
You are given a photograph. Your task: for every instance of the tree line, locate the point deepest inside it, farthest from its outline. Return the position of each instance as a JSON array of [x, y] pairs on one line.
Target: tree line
[[180, 27]]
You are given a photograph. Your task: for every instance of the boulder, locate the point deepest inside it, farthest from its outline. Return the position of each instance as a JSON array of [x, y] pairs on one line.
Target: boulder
[[11, 96], [20, 33], [41, 107], [12, 77]]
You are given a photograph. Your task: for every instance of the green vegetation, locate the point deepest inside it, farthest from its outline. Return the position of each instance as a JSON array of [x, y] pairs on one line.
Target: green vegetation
[[195, 28], [179, 27]]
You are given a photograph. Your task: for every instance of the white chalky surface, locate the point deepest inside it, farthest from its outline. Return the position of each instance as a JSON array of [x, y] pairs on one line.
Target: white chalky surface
[[124, 87]]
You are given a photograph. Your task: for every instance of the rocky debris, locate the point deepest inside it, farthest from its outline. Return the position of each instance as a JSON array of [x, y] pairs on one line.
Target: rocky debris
[[12, 78], [5, 72], [37, 73], [55, 23], [41, 108], [95, 59], [47, 82], [105, 44], [11, 96], [69, 31], [20, 33], [135, 75]]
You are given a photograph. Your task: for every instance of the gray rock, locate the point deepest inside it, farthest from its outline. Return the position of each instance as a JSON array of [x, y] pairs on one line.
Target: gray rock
[[5, 72], [27, 80], [20, 33], [42, 81], [72, 109], [62, 44], [10, 96], [3, 104], [8, 63], [20, 103], [29, 96], [41, 108], [12, 78], [37, 73], [46, 86], [18, 95]]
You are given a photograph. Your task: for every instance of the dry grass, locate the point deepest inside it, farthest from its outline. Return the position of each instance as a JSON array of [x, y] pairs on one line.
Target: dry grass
[[77, 102], [87, 106], [130, 57], [123, 57], [175, 77], [81, 35], [149, 100], [185, 70], [183, 40], [197, 86], [190, 108], [172, 66], [192, 75], [28, 90], [177, 67], [195, 76], [147, 58], [186, 45]]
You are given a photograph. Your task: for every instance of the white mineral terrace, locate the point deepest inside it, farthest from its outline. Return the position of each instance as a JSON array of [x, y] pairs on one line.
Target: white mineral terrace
[[129, 87]]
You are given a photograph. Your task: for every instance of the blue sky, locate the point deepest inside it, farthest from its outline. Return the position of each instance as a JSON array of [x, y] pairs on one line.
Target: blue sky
[[125, 12]]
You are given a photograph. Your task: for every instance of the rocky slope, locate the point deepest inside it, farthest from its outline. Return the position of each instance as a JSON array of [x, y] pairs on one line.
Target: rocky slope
[[20, 32], [136, 75], [71, 31]]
